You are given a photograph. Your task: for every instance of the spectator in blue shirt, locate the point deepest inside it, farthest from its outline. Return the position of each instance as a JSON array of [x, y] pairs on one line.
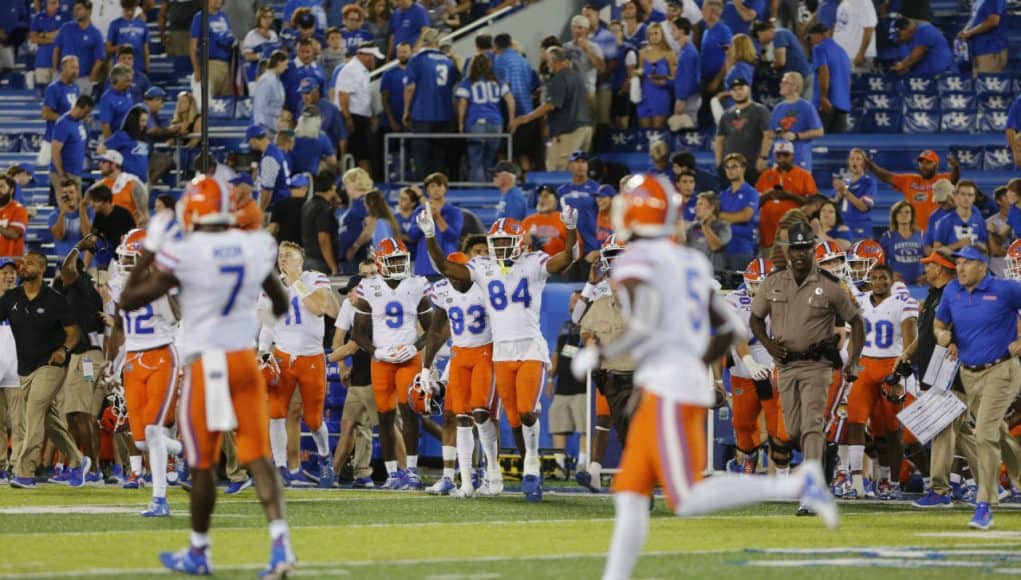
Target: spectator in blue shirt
[[514, 70], [903, 244], [986, 33], [943, 194], [60, 96], [687, 89], [739, 15], [429, 102], [826, 14], [315, 6], [221, 43], [742, 58], [44, 29], [68, 142], [354, 32], [449, 221], [1013, 130], [131, 31], [580, 194], [855, 194], [269, 96], [716, 38], [259, 43], [274, 169], [357, 184], [739, 206], [130, 142], [73, 219], [311, 145], [406, 24], [329, 114], [391, 91], [925, 52], [795, 120], [965, 225], [512, 202], [139, 80], [303, 66], [831, 93], [116, 102], [80, 38], [788, 56], [478, 111]]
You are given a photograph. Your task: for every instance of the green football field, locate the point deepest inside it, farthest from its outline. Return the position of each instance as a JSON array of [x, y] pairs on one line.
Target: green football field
[[58, 532]]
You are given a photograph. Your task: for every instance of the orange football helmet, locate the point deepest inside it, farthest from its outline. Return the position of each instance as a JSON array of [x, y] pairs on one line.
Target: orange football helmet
[[457, 258], [755, 272], [1013, 269], [130, 249], [426, 397], [204, 202], [612, 248], [862, 256], [506, 239], [831, 258], [392, 259], [648, 205]]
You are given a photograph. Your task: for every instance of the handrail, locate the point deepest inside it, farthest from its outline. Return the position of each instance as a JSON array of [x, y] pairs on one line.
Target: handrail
[[402, 137]]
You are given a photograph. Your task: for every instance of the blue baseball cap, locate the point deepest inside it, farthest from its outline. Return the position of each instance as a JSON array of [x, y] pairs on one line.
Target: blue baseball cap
[[255, 132], [299, 180], [243, 177], [307, 86], [155, 93], [578, 155], [972, 253], [606, 191], [4, 262]]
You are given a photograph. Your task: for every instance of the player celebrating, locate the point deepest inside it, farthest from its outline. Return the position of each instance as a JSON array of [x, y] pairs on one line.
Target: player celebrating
[[390, 306], [220, 274], [513, 280], [299, 357], [672, 310], [470, 389], [151, 368], [890, 325]]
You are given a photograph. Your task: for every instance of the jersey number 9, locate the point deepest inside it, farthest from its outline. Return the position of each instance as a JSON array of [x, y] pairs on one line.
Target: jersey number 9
[[394, 314]]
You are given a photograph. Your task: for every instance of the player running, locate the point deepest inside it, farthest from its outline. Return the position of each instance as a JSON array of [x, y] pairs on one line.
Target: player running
[[151, 367], [390, 307], [677, 325], [299, 358], [220, 274], [513, 280]]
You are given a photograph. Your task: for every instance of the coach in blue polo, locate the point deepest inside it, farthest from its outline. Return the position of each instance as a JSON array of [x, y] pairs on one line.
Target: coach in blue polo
[[977, 320]]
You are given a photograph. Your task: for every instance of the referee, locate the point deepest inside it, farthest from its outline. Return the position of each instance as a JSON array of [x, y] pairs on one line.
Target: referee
[[44, 333], [977, 322]]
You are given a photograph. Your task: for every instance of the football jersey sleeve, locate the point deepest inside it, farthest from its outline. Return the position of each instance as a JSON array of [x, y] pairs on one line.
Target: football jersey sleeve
[[346, 318], [633, 265], [167, 259]]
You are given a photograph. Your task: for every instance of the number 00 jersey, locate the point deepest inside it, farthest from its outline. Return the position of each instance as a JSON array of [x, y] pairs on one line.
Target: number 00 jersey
[[220, 276], [394, 310], [669, 360], [300, 332], [148, 327], [883, 337], [469, 324]]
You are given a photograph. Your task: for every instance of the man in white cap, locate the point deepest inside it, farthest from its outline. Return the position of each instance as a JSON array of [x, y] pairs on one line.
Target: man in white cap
[[586, 55], [128, 191], [355, 101]]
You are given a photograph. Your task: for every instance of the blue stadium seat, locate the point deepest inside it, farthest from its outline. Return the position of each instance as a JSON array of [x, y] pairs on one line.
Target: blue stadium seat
[[921, 122], [877, 83], [551, 178], [921, 102], [992, 120], [958, 101], [883, 102], [990, 84], [955, 84], [970, 158], [880, 122], [923, 85], [9, 143], [243, 109], [997, 157], [221, 108], [956, 122]]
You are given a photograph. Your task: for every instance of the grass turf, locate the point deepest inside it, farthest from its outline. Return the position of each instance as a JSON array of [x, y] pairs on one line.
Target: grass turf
[[59, 532]]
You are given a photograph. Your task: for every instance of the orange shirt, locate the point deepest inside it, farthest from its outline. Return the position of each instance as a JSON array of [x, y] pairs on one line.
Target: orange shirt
[[121, 189], [546, 230], [797, 181], [13, 215], [248, 217], [918, 192]]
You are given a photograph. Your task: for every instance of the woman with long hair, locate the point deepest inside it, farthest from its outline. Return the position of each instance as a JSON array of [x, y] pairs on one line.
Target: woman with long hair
[[658, 65], [478, 112], [130, 142], [903, 245], [377, 21], [379, 224], [855, 193], [407, 203], [741, 60], [259, 43], [829, 227], [186, 114]]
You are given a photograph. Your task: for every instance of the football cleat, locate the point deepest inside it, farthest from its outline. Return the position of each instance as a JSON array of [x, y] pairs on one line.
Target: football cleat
[[363, 483], [281, 561], [23, 482], [172, 474], [3, 475], [932, 500], [394, 480], [285, 476], [492, 485], [326, 477], [194, 561], [134, 481], [983, 518], [888, 490], [478, 476], [411, 479], [300, 479], [62, 476], [531, 486], [463, 492], [442, 487], [116, 476], [94, 478], [1005, 493], [236, 487], [815, 497], [842, 485], [78, 474], [584, 479], [158, 508]]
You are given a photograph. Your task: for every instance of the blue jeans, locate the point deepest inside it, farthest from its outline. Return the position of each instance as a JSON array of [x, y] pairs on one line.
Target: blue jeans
[[482, 152]]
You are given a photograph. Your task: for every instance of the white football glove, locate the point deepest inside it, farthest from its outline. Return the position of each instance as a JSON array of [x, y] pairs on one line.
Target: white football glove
[[385, 354], [404, 353], [759, 372], [425, 221], [586, 359], [569, 216], [161, 228]]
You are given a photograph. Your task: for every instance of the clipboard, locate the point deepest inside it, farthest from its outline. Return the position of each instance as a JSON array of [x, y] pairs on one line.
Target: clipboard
[[941, 370]]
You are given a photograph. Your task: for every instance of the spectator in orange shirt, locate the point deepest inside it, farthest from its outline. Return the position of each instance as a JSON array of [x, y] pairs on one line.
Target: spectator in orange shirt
[[544, 229], [781, 188], [917, 187], [247, 216], [13, 220], [604, 199]]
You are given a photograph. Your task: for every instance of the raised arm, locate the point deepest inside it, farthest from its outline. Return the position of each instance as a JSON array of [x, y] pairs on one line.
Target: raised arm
[[448, 269], [565, 257]]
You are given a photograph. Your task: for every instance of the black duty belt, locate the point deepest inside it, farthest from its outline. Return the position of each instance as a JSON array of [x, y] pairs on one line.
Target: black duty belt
[[982, 367]]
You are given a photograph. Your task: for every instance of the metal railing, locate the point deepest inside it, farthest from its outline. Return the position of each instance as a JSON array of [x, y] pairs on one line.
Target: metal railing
[[402, 152]]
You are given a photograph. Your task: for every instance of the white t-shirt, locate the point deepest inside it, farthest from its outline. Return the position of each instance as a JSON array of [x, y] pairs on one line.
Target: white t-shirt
[[853, 17], [354, 80]]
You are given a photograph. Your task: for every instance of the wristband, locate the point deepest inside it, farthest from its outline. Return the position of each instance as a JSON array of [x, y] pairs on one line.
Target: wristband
[[588, 291]]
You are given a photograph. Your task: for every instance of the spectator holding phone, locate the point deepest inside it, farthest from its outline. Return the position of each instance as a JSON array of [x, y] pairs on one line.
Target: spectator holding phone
[[73, 219]]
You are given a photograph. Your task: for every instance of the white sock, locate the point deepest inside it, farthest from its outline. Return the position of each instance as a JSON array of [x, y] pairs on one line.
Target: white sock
[[560, 458], [531, 466], [322, 438], [278, 441], [730, 491], [136, 463], [174, 447], [884, 473], [412, 462], [58, 466], [391, 467], [487, 436], [582, 461], [465, 446], [449, 459], [630, 528], [955, 478], [595, 469], [842, 457], [157, 459], [199, 540], [856, 457], [278, 530]]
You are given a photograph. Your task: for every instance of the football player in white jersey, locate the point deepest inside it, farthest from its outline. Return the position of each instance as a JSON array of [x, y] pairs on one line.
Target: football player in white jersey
[[890, 325], [677, 325], [151, 369], [299, 357], [390, 307], [513, 280], [220, 274], [459, 313]]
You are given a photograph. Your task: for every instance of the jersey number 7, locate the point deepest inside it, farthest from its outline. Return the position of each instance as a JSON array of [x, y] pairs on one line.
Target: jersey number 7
[[237, 271]]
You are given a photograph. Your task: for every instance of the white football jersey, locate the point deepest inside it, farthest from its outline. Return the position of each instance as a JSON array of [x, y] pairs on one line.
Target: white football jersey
[[220, 276], [742, 304], [394, 310], [151, 326], [469, 323], [669, 361], [300, 332], [883, 324], [513, 294]]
